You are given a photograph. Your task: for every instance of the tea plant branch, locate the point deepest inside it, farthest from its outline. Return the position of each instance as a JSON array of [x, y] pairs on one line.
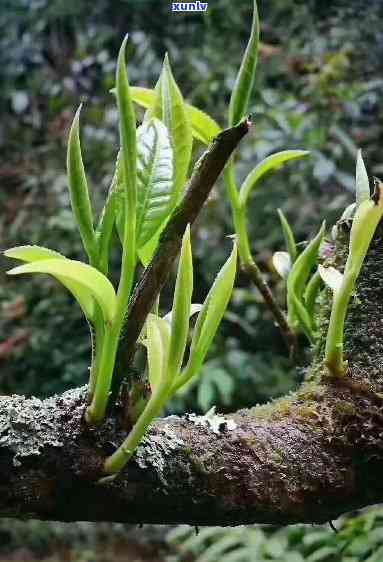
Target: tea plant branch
[[253, 272], [205, 174], [305, 458], [248, 264]]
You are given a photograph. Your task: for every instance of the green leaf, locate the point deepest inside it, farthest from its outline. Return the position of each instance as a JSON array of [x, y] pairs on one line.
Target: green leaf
[[288, 236], [269, 164], [362, 181], [311, 293], [31, 254], [366, 219], [157, 344], [78, 188], [245, 79], [113, 205], [154, 179], [147, 252], [282, 264], [127, 126], [204, 127], [93, 283], [181, 306], [177, 121], [297, 281], [210, 316]]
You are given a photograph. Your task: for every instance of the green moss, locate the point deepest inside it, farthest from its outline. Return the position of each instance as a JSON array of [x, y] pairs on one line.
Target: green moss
[[281, 407], [345, 408]]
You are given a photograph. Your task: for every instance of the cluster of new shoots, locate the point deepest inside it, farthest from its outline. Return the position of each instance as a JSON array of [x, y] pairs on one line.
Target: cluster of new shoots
[[303, 282], [368, 214], [166, 342], [151, 171]]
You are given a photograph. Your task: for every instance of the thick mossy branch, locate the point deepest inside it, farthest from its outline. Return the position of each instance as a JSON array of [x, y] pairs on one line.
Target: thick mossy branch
[[305, 458]]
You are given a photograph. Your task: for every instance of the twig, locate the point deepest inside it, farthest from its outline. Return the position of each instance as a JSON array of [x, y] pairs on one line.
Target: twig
[[253, 272], [205, 174]]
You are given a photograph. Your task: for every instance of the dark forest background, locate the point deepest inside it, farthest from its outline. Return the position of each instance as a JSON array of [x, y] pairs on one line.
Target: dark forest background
[[319, 87]]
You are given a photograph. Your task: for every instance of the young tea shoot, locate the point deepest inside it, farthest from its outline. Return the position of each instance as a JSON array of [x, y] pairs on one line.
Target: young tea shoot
[[166, 343], [367, 217]]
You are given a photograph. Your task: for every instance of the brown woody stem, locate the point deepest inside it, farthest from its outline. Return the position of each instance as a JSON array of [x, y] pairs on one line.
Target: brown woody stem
[[205, 175]]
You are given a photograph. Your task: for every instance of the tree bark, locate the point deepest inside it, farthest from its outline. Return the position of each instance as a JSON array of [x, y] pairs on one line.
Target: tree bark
[[308, 457]]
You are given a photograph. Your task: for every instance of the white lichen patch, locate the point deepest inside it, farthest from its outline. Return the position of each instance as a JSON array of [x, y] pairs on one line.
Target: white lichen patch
[[155, 447], [215, 422]]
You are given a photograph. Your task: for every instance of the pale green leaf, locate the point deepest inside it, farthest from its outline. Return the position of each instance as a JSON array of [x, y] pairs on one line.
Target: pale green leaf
[[269, 164], [311, 293], [204, 127], [362, 181], [367, 217], [181, 306], [157, 343], [282, 264], [147, 252], [113, 206], [91, 280], [288, 236], [79, 193], [37, 253], [32, 253], [128, 142], [297, 281], [211, 314], [176, 119], [331, 277], [194, 309], [154, 179], [240, 97]]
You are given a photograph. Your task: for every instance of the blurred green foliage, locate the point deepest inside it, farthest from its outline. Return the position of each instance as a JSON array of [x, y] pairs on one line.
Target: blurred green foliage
[[358, 539]]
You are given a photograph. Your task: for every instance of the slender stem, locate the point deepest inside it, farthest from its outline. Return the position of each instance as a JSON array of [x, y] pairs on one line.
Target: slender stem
[[184, 378], [231, 185], [248, 263], [334, 341], [95, 413], [118, 460], [97, 346]]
